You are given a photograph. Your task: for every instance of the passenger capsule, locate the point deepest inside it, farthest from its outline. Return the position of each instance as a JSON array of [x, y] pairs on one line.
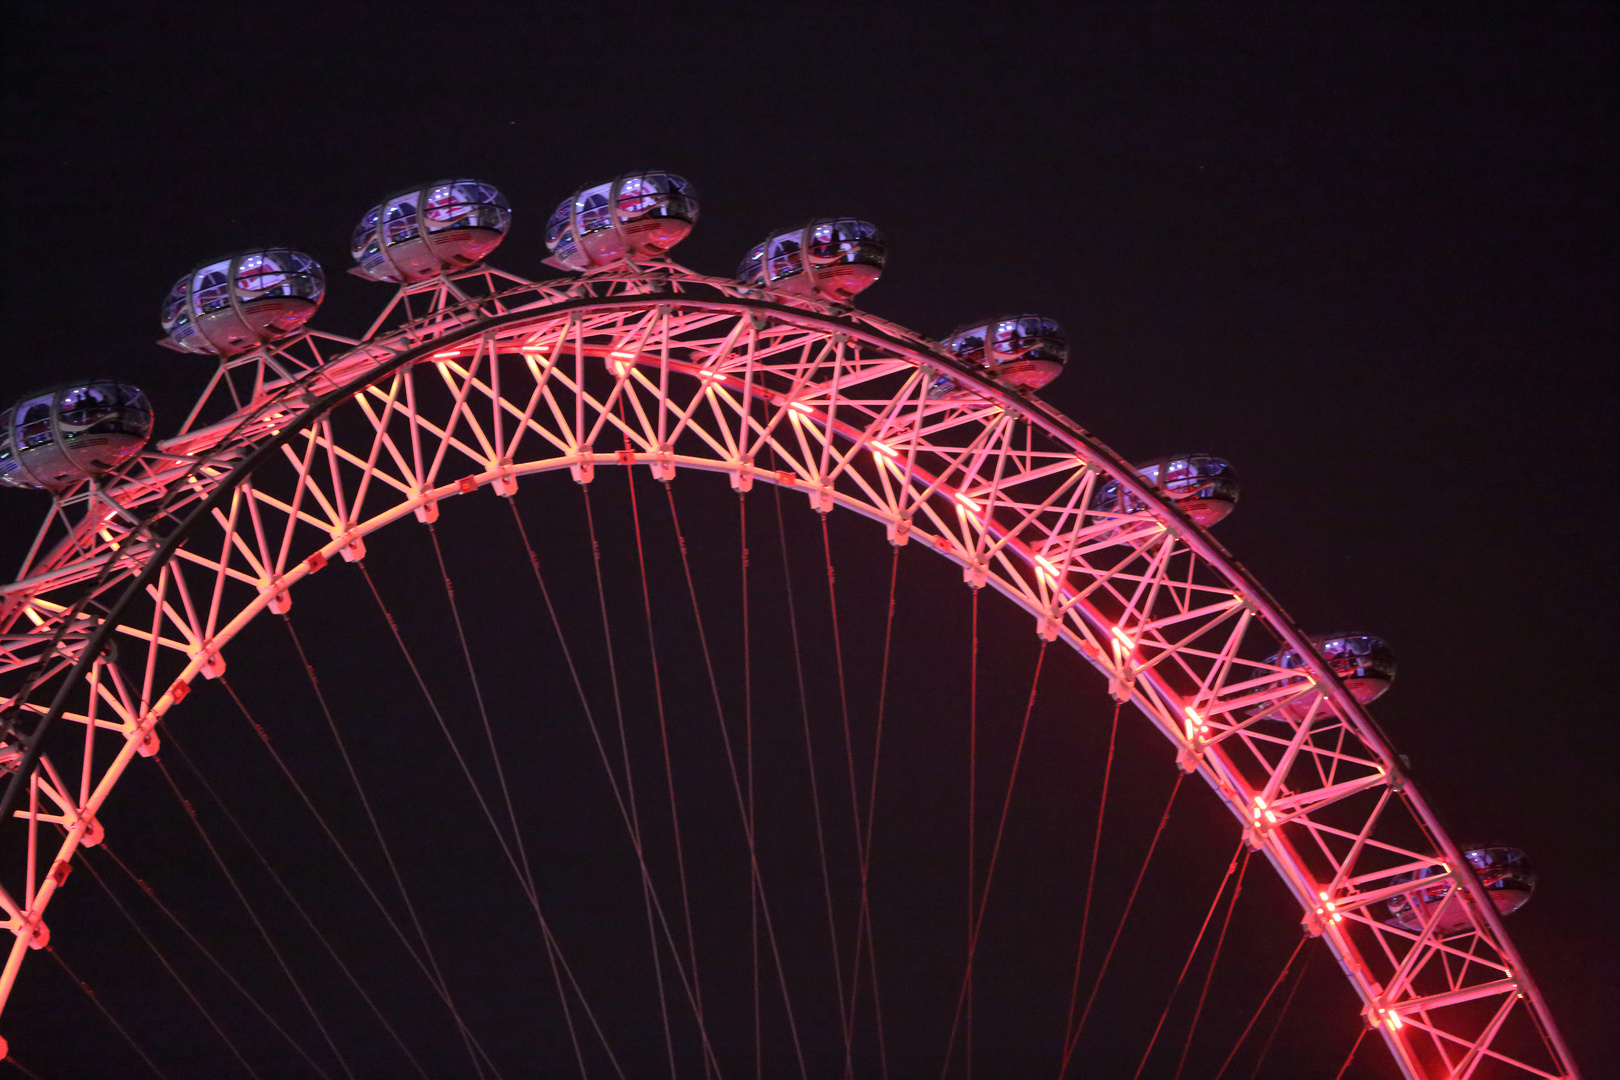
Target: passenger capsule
[[1204, 486], [57, 437], [440, 228], [830, 258], [1506, 873], [233, 304], [1024, 352], [1364, 663], [639, 215]]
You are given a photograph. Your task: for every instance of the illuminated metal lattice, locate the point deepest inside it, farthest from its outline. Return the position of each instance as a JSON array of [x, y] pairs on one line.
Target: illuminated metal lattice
[[300, 449]]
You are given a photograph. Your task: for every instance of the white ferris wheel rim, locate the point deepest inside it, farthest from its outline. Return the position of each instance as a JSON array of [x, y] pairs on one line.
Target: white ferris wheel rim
[[210, 469]]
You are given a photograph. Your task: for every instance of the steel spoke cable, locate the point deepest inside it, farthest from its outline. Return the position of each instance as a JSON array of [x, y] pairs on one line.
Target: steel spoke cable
[[649, 899], [846, 1004], [196, 943], [981, 901], [1261, 1008], [810, 759], [573, 667], [1276, 1024], [475, 1049], [1192, 953], [820, 821], [258, 924], [862, 831], [1353, 1049], [748, 761], [626, 806], [1220, 940], [1130, 901], [864, 931], [966, 1000], [521, 859], [669, 766], [185, 987], [745, 798], [518, 860], [11, 1059], [348, 859], [111, 1019], [1091, 881], [518, 865], [292, 899]]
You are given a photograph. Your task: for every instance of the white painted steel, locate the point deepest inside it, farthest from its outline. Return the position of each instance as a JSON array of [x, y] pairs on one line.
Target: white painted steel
[[483, 379]]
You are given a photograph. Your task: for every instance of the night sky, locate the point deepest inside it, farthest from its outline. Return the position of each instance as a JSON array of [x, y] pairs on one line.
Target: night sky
[[1367, 253]]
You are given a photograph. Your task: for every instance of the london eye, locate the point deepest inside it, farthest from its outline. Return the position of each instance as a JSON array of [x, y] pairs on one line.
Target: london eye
[[653, 630]]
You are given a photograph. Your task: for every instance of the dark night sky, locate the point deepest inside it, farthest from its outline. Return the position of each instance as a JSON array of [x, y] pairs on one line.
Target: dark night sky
[[1366, 252]]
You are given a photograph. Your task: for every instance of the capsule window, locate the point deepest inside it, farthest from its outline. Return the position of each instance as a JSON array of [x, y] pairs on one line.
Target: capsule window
[[1180, 476], [174, 307], [658, 195], [845, 240], [752, 270], [968, 347], [785, 260], [594, 211], [399, 220], [84, 405], [33, 423], [365, 234], [462, 206], [557, 225], [259, 274], [830, 241], [211, 288], [638, 196]]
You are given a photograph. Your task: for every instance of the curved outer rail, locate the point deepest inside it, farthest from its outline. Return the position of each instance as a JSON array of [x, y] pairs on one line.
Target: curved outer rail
[[186, 550]]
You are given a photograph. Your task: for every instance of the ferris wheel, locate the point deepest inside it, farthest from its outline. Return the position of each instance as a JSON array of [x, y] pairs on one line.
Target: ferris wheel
[[305, 445]]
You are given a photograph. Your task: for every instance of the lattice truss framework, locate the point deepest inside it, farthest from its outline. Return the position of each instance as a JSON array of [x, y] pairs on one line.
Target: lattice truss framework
[[478, 381]]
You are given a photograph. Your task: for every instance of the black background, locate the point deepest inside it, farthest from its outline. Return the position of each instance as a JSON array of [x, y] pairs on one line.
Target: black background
[[1365, 252]]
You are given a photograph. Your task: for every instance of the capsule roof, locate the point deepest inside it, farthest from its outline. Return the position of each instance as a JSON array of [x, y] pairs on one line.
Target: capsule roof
[[829, 258], [439, 228], [638, 215], [231, 305], [54, 438]]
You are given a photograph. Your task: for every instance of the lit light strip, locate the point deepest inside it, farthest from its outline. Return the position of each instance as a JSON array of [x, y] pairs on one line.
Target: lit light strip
[[1261, 811]]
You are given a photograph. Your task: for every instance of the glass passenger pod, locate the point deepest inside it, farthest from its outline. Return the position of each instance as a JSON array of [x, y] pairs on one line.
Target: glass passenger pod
[[830, 258], [440, 228], [1363, 662], [57, 437], [1506, 873], [637, 215], [1204, 486], [234, 304], [1023, 352]]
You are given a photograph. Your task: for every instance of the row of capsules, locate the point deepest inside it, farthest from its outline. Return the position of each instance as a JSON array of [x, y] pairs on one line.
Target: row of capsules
[[59, 437]]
